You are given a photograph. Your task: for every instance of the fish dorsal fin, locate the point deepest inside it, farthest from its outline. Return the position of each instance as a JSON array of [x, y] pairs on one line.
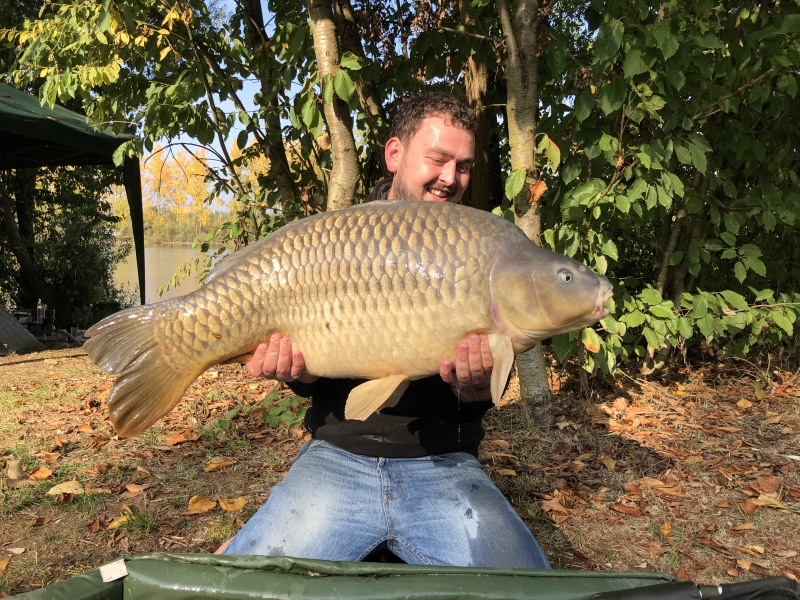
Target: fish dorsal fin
[[503, 355], [374, 395]]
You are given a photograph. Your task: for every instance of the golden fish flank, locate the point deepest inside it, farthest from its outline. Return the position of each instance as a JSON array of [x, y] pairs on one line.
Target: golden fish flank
[[383, 291]]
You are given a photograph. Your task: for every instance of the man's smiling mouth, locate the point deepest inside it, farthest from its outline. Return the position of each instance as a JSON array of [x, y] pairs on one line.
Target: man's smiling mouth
[[439, 193]]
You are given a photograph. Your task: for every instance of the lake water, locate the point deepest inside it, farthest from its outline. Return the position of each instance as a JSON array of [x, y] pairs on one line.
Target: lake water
[[161, 262]]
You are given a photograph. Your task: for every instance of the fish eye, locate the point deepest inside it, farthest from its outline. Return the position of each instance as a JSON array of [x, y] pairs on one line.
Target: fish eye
[[565, 275]]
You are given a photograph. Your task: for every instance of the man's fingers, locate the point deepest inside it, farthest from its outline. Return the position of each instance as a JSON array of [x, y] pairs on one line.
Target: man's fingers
[[298, 364], [284, 366], [446, 371], [462, 363], [486, 354], [254, 367], [476, 360]]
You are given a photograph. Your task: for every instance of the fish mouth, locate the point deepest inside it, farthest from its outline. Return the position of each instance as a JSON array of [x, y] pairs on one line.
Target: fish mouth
[[600, 310]]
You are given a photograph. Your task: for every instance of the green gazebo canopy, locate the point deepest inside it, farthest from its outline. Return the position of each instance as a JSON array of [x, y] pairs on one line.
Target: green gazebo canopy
[[32, 135]]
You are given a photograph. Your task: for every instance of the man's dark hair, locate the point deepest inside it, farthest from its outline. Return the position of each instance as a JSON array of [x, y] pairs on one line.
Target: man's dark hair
[[410, 112]]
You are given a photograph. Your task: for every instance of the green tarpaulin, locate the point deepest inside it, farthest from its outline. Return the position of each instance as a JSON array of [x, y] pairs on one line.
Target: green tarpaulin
[[32, 135]]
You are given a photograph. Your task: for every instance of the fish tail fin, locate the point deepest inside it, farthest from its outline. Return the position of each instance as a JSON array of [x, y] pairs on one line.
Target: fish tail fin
[[147, 386], [374, 395]]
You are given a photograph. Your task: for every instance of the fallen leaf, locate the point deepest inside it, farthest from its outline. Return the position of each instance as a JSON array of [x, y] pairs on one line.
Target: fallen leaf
[[133, 490], [609, 463], [725, 504], [773, 420], [666, 528], [562, 425], [175, 438], [694, 460], [769, 484], [38, 521], [232, 504], [743, 563], [57, 443], [631, 511], [554, 505], [143, 471], [743, 527], [118, 522], [748, 507], [217, 463], [786, 553], [41, 474], [682, 574], [733, 572], [4, 564], [47, 456], [507, 472], [68, 487], [763, 500], [14, 470], [85, 429], [15, 551], [199, 505], [94, 527], [744, 404]]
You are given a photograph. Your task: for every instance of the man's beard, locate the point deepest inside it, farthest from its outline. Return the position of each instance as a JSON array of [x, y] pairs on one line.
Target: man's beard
[[401, 192]]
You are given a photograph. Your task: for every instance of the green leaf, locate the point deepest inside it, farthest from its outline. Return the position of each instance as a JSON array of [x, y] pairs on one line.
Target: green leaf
[[675, 258], [706, 326], [562, 346], [677, 185], [683, 154], [769, 220], [737, 301], [570, 171], [650, 296], [241, 139], [343, 85], [119, 154], [685, 327], [698, 158], [584, 103], [327, 89], [654, 340], [104, 21], [728, 253], [350, 61], [739, 271], [610, 250], [601, 264], [662, 312], [667, 43], [781, 321], [612, 95], [731, 223], [515, 182], [609, 39], [664, 198], [623, 204], [764, 294], [508, 215], [791, 24], [699, 308], [728, 238], [633, 319], [755, 265], [310, 112], [676, 78], [634, 64]]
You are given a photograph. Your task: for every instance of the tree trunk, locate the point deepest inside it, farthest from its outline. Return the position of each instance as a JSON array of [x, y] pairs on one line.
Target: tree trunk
[[520, 31], [344, 176], [273, 142], [367, 90]]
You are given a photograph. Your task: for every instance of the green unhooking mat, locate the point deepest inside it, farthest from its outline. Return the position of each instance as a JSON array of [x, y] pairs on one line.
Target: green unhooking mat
[[162, 576]]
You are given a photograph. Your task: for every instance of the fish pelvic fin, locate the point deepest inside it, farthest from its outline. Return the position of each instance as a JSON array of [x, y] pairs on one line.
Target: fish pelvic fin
[[502, 349], [147, 386], [374, 395]]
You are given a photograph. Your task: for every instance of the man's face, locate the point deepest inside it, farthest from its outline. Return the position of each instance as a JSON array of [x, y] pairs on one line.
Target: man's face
[[434, 165]]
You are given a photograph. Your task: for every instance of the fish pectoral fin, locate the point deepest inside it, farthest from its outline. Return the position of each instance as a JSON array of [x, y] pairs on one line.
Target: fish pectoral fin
[[503, 356], [374, 395]]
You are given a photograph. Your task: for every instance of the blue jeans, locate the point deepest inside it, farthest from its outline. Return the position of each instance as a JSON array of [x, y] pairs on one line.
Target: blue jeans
[[434, 510]]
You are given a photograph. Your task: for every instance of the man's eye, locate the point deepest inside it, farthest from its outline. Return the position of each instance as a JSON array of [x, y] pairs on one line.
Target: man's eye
[[464, 169]]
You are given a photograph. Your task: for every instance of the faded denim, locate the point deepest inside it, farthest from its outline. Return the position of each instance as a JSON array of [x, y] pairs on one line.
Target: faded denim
[[435, 510]]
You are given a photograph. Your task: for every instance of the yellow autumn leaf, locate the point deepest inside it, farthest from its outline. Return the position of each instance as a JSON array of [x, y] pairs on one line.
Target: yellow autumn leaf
[[217, 463], [666, 528], [199, 505], [118, 522], [233, 504], [507, 472], [68, 487], [163, 53], [41, 474], [591, 340]]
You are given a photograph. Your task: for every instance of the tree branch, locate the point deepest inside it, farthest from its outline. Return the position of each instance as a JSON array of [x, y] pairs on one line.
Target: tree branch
[[703, 112]]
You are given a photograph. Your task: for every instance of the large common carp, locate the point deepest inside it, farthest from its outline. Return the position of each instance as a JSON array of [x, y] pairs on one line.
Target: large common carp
[[383, 291]]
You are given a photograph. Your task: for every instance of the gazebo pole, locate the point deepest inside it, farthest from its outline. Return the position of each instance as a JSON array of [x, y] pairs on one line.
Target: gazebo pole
[[133, 189]]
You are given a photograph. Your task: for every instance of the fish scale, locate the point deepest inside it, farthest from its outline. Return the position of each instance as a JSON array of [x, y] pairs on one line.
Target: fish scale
[[374, 291]]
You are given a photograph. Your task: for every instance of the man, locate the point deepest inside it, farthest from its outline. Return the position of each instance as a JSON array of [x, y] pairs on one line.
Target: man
[[406, 479]]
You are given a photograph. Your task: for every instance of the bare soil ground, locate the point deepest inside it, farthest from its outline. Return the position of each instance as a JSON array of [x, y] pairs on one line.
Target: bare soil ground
[[695, 473]]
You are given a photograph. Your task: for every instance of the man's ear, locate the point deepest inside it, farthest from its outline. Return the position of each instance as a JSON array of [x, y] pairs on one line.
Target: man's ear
[[393, 154]]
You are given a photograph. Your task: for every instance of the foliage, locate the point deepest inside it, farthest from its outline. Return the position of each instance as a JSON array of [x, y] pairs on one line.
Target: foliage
[[72, 237], [665, 150]]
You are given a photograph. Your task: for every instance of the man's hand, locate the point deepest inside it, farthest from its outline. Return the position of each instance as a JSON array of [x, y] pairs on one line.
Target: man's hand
[[472, 372], [277, 361]]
